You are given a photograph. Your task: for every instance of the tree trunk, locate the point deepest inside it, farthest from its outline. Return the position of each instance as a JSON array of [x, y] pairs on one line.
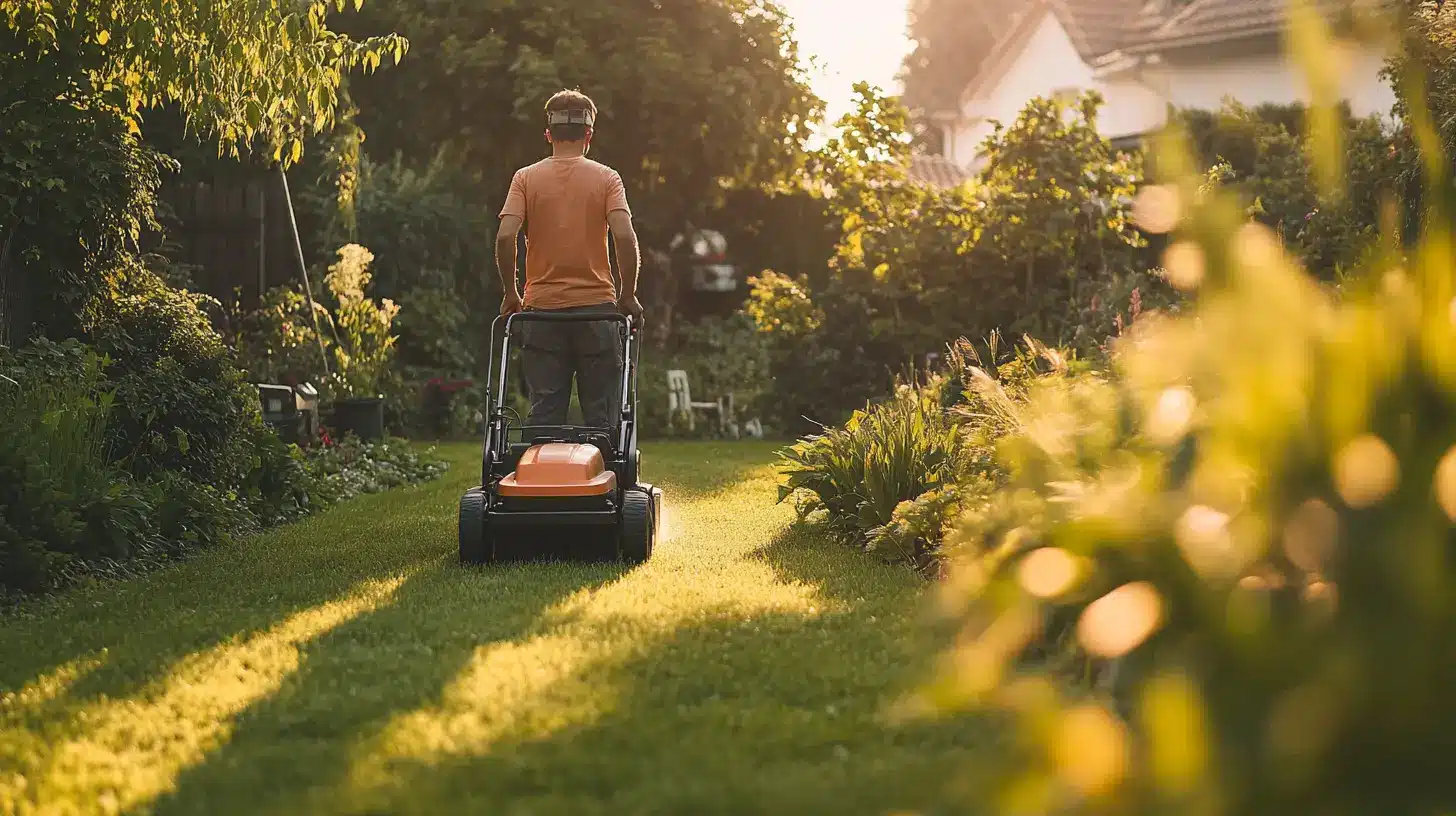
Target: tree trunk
[[12, 320]]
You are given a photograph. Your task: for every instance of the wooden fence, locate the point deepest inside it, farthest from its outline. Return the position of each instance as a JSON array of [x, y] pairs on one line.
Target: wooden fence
[[236, 235]]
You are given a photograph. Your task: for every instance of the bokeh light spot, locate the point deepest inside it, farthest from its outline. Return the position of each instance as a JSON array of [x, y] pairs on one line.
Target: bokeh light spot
[[1183, 264], [1445, 483], [1172, 415], [1121, 620], [1310, 535], [1091, 751], [1048, 572], [1366, 471], [1158, 208]]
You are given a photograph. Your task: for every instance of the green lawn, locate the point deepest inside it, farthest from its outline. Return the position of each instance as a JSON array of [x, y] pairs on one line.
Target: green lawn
[[349, 664]]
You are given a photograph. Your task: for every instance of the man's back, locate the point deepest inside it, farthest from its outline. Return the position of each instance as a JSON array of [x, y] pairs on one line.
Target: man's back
[[565, 203]]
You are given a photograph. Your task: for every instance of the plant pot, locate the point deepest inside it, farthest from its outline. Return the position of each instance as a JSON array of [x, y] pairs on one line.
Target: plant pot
[[361, 416]]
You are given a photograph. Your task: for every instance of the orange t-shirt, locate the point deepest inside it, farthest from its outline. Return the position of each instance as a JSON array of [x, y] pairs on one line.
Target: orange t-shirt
[[565, 202]]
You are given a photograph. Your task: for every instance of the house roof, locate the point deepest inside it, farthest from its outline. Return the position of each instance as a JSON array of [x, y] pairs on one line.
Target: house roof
[[1097, 27], [1103, 29], [1206, 22], [937, 171]]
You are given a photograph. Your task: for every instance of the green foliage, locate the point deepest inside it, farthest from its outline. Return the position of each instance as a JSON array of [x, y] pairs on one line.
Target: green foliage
[[243, 71], [353, 468], [691, 95], [1058, 201], [825, 354], [1044, 236], [76, 189], [919, 525], [59, 498], [721, 356], [1265, 154], [431, 243], [432, 256], [884, 455], [276, 342], [1426, 93], [52, 400], [181, 404], [363, 328], [1251, 515], [74, 506]]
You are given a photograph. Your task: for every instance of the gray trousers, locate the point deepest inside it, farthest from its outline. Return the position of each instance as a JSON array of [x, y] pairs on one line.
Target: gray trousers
[[552, 353]]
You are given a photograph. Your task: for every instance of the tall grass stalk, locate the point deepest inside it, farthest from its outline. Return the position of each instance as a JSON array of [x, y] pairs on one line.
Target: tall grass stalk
[[60, 420]]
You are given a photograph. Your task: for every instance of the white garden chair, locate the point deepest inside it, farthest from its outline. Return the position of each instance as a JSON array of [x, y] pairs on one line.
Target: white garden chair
[[680, 401]]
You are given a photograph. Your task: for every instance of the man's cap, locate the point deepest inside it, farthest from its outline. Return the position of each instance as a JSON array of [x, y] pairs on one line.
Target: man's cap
[[575, 116]]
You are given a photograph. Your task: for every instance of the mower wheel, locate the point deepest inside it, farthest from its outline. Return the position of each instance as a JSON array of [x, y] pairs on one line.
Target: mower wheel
[[637, 531], [475, 544], [656, 494]]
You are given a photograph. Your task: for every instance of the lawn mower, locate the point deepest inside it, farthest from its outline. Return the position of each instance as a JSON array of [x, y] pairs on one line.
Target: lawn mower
[[559, 492]]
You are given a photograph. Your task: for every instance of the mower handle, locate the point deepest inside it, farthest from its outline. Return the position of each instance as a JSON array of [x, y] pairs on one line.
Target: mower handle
[[568, 317], [631, 353]]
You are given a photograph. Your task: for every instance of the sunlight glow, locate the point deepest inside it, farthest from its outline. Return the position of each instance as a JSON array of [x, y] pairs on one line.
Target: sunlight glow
[[123, 753], [565, 674], [850, 41]]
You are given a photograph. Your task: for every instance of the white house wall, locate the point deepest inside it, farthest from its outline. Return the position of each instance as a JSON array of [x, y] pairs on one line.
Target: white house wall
[[1136, 103], [1271, 78], [1048, 61]]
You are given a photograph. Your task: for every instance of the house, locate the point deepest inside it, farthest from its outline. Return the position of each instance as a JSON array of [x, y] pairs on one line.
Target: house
[[1143, 57]]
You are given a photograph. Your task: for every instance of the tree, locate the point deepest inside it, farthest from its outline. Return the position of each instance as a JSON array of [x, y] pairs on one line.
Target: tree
[[75, 79], [1425, 86], [241, 70], [1059, 202], [694, 95], [952, 38]]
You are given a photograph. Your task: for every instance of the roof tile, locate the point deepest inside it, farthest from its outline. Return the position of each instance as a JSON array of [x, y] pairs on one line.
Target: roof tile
[[937, 171]]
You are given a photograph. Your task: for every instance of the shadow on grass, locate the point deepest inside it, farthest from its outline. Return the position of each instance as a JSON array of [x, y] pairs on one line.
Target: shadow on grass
[[359, 676], [771, 712], [135, 630], [138, 629]]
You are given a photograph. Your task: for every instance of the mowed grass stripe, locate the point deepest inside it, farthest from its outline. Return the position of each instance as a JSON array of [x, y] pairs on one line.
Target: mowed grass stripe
[[349, 665]]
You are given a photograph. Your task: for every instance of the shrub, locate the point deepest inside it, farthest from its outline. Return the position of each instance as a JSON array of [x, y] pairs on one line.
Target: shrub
[[277, 342], [721, 356], [59, 499], [431, 243], [68, 168], [352, 468], [1265, 154], [914, 533], [1252, 516], [884, 455], [181, 404], [918, 265]]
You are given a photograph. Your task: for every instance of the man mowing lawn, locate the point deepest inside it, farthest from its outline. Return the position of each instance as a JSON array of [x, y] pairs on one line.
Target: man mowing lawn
[[568, 203]]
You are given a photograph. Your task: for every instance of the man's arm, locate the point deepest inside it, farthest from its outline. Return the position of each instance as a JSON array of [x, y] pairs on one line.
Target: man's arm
[[505, 261], [629, 260]]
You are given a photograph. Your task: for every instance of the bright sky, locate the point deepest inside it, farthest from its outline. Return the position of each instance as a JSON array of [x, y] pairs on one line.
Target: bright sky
[[853, 40]]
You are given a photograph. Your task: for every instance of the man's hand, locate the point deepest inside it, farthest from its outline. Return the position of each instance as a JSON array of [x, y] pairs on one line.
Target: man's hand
[[510, 304], [629, 305]]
